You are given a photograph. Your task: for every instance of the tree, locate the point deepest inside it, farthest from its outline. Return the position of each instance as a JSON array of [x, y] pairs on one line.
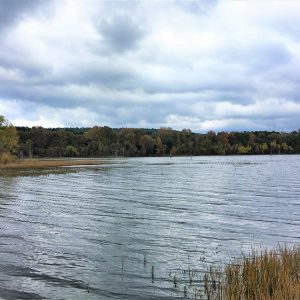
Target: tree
[[275, 148], [105, 141], [71, 151], [244, 150], [159, 146], [263, 148], [39, 138], [8, 140], [127, 139], [168, 138], [146, 143]]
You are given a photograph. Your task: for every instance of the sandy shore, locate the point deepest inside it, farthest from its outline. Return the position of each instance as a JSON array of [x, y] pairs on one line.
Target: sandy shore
[[48, 163]]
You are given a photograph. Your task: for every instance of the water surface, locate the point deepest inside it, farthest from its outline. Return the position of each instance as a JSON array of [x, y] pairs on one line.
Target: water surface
[[125, 229]]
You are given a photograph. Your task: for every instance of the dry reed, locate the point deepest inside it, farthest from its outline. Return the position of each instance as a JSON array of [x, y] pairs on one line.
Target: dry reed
[[47, 163], [265, 275]]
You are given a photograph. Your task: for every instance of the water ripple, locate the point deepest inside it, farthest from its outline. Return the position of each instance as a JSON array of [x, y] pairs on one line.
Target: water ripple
[[117, 231]]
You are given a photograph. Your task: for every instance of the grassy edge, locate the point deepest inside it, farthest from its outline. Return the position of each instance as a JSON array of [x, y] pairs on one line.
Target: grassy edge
[[48, 163], [265, 275]]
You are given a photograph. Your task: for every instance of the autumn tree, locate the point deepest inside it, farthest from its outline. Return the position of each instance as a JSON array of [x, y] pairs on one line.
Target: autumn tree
[[168, 138], [105, 141], [159, 146], [127, 141], [8, 140], [146, 143]]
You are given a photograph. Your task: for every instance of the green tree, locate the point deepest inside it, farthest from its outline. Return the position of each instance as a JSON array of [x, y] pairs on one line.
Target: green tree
[[71, 151], [8, 140], [263, 148], [274, 147], [244, 150], [284, 148]]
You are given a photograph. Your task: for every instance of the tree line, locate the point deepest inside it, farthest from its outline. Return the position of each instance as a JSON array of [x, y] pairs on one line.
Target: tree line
[[105, 141]]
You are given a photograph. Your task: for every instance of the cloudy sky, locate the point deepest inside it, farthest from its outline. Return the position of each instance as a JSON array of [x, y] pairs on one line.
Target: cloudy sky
[[203, 65]]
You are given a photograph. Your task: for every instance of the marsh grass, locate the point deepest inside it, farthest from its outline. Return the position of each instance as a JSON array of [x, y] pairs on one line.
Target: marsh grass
[[38, 167], [264, 275], [35, 172], [47, 163]]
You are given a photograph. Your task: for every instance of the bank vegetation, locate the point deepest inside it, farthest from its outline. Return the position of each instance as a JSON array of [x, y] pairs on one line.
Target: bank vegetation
[[100, 141], [265, 275], [105, 141]]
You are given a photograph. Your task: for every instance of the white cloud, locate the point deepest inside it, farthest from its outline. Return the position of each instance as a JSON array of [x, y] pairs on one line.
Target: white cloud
[[262, 108]]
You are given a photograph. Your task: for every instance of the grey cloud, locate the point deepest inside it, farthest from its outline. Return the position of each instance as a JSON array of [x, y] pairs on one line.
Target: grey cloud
[[50, 95], [268, 56], [257, 57], [12, 10], [197, 7], [105, 74], [286, 77], [226, 88], [29, 67], [275, 123], [234, 87], [121, 33]]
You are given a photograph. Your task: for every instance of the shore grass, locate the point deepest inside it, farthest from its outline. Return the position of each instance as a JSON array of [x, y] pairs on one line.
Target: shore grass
[[47, 163], [266, 275]]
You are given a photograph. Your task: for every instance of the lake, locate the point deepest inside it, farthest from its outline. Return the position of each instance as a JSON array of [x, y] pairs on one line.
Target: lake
[[127, 228]]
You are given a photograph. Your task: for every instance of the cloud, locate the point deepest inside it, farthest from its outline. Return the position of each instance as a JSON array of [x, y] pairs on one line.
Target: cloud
[[120, 34], [185, 64], [199, 125], [196, 7], [47, 116], [12, 11], [268, 108]]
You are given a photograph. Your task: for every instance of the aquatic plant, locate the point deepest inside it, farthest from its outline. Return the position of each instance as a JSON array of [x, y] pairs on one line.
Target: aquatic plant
[[265, 275], [152, 274], [259, 275]]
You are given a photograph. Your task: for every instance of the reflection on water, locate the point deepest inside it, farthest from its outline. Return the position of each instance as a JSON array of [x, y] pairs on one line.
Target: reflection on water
[[125, 229]]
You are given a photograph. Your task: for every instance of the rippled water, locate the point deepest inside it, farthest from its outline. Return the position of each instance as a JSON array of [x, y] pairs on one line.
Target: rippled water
[[124, 229]]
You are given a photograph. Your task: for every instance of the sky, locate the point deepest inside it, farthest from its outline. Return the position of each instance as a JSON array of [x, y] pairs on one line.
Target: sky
[[203, 65]]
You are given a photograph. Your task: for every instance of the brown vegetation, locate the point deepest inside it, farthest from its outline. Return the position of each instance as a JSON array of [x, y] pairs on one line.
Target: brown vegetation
[[47, 163], [268, 275]]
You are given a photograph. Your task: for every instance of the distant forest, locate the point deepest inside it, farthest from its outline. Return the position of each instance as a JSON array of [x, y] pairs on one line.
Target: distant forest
[[106, 141]]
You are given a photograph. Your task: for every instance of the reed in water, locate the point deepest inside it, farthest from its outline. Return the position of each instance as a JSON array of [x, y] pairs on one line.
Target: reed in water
[[265, 275]]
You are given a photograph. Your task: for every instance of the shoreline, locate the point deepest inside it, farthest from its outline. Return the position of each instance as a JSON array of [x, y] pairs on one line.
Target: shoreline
[[46, 163], [43, 163]]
